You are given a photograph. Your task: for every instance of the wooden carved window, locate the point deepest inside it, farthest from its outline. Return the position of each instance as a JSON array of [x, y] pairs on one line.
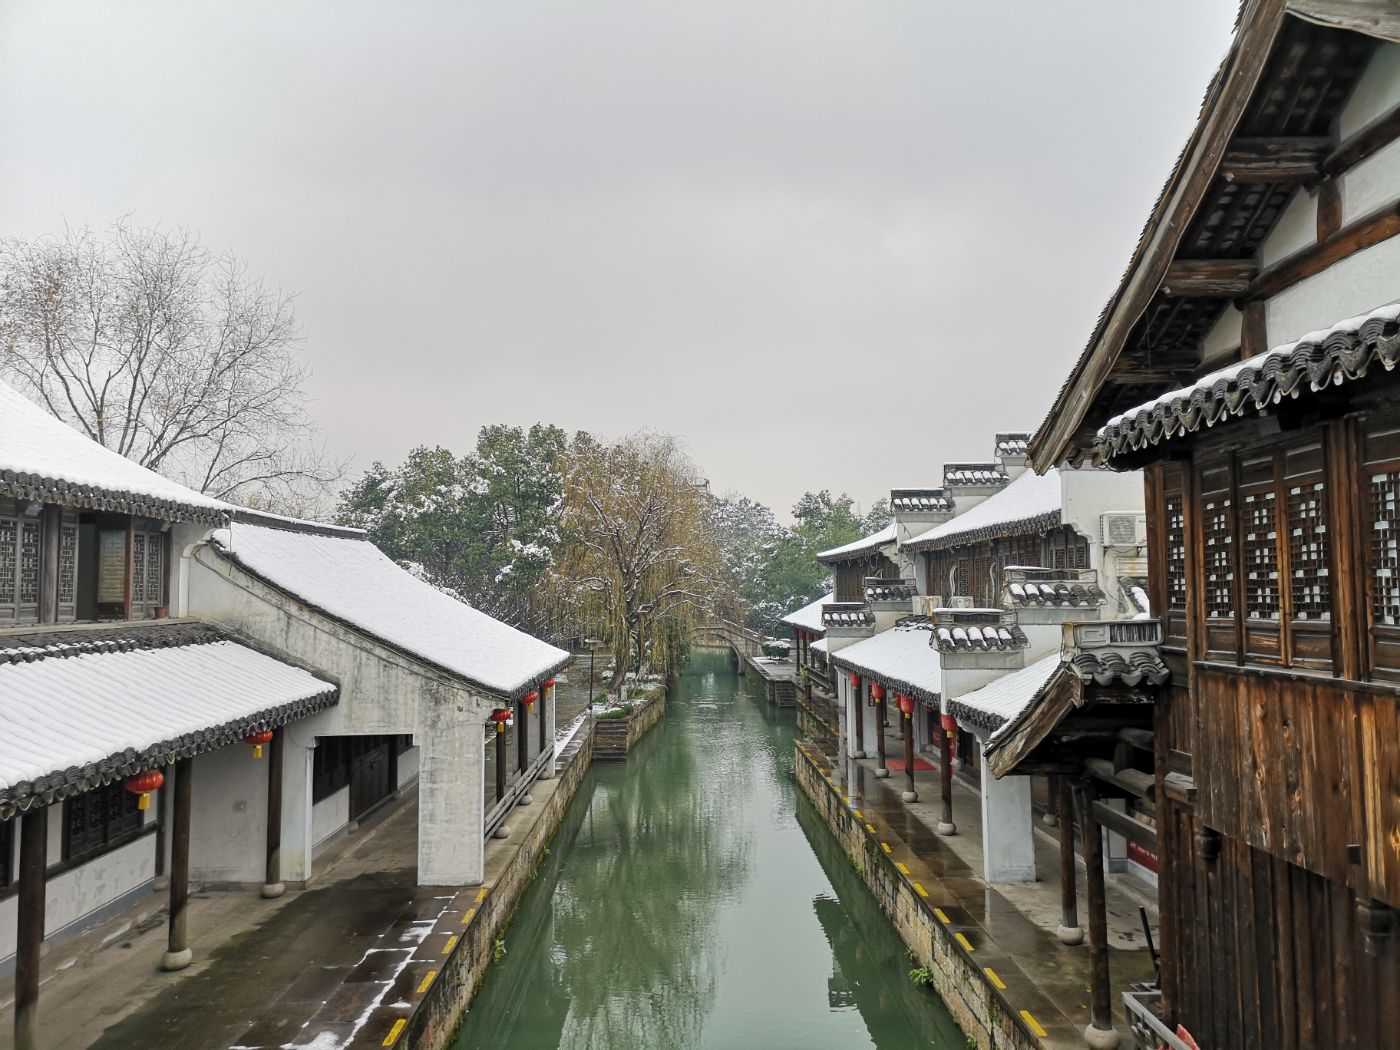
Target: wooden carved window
[[98, 821], [1302, 467], [68, 572], [147, 573], [1261, 593], [20, 540], [1217, 525], [1167, 550], [1381, 520]]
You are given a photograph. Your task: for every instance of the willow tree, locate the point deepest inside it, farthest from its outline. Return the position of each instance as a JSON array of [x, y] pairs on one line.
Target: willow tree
[[639, 558]]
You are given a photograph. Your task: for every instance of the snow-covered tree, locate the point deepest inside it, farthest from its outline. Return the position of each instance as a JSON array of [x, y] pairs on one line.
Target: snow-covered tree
[[169, 354]]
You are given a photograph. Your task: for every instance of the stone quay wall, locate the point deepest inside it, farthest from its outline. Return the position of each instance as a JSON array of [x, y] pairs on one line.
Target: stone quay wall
[[959, 981], [614, 737]]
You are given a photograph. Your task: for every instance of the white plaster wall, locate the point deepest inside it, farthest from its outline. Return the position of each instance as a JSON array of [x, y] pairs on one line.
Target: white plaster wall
[[1295, 230], [1223, 340], [75, 895], [1356, 285], [182, 539], [408, 766], [958, 681], [228, 816], [1089, 494], [1377, 91], [1372, 184], [329, 815], [382, 692]]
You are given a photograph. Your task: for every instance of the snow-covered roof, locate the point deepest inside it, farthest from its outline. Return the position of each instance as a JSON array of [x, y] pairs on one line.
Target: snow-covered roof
[[1318, 361], [821, 645], [350, 579], [865, 545], [43, 458], [1032, 502], [999, 702], [900, 658], [86, 706], [809, 617]]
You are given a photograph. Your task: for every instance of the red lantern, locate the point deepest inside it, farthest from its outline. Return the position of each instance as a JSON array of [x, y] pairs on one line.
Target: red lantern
[[257, 740], [501, 716], [906, 704], [855, 680], [548, 684], [877, 691], [142, 784], [529, 700], [949, 723]]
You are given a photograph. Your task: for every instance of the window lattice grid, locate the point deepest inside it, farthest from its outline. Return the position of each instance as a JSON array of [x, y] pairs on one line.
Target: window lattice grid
[[67, 565], [1260, 551], [1307, 552], [9, 559], [29, 563], [1176, 553], [1219, 559], [153, 569], [1385, 548], [138, 568]]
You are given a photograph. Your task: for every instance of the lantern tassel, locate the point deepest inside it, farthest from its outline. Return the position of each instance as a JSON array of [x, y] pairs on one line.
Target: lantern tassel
[[143, 801], [257, 751]]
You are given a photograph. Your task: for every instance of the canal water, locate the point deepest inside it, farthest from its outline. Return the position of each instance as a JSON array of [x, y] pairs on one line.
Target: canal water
[[691, 899]]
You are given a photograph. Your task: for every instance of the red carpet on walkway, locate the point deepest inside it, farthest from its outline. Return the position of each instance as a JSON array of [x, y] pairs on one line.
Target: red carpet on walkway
[[897, 765]]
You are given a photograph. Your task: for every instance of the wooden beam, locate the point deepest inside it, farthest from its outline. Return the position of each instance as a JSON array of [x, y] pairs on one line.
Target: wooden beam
[[1282, 159], [1329, 208], [1134, 376], [1254, 329], [1366, 232], [1209, 278], [1365, 142], [1130, 829], [29, 943], [1137, 783]]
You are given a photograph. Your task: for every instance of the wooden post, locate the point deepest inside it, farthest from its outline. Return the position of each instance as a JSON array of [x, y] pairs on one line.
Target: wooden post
[[910, 795], [177, 953], [859, 717], [522, 737], [162, 879], [33, 874], [881, 770], [544, 708], [1100, 1034], [1070, 932], [501, 758], [273, 886], [945, 779], [50, 529]]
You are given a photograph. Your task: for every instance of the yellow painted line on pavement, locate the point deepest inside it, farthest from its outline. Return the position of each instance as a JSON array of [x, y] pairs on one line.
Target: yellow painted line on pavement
[[903, 870], [918, 888], [451, 943], [886, 847], [1029, 1018], [481, 893], [393, 1036], [468, 915], [942, 916], [427, 980], [992, 975], [963, 941]]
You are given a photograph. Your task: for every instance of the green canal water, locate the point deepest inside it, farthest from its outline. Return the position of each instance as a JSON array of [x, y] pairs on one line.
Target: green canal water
[[691, 899]]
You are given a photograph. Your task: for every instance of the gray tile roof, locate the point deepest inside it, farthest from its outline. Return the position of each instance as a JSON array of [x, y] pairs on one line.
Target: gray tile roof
[[978, 637], [974, 474]]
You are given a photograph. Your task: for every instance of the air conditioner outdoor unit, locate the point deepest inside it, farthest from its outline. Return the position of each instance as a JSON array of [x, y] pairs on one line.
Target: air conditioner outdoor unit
[[961, 601], [1124, 529], [924, 604]]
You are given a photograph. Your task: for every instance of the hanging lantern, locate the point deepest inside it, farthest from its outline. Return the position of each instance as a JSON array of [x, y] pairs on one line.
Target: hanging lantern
[[501, 716], [905, 703], [855, 680], [877, 691], [529, 700], [949, 724], [257, 740], [548, 684], [142, 784]]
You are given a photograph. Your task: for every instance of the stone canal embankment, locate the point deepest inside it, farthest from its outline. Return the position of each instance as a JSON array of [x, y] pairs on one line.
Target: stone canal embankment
[[613, 738]]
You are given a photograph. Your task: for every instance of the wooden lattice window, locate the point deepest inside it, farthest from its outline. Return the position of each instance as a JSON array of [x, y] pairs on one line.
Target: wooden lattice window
[[1217, 537], [1385, 548], [99, 820], [1176, 552], [1307, 552], [147, 573], [68, 572], [1260, 551], [20, 547]]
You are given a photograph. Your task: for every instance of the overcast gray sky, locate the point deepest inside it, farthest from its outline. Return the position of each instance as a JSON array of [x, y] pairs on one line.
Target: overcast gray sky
[[833, 244]]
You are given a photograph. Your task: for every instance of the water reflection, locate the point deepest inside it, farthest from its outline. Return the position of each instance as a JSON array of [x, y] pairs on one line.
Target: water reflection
[[676, 908]]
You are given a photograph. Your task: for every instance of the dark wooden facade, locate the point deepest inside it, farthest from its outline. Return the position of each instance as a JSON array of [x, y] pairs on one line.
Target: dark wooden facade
[[975, 569], [850, 576]]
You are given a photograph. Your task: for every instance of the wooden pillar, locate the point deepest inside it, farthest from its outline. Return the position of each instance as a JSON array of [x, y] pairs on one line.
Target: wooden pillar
[[50, 528], [33, 875], [858, 714], [502, 756], [881, 770], [544, 714], [1100, 1033], [177, 953], [273, 886], [162, 879], [1070, 932], [910, 795], [522, 737], [945, 774]]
